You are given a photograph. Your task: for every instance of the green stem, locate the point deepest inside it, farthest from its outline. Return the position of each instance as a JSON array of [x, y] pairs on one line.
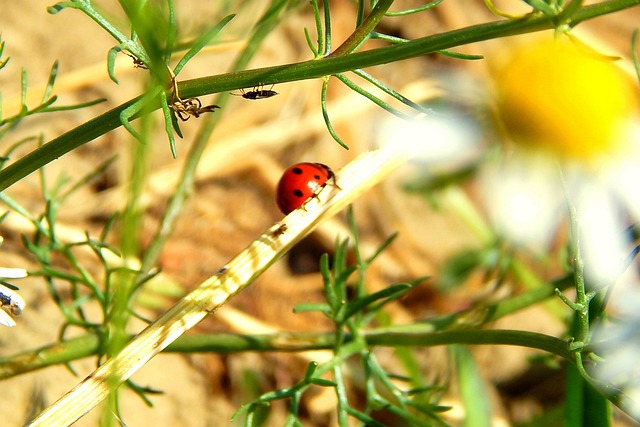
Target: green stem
[[302, 71], [88, 345]]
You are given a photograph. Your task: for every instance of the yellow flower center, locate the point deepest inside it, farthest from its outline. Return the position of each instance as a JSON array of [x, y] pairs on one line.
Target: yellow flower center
[[558, 96]]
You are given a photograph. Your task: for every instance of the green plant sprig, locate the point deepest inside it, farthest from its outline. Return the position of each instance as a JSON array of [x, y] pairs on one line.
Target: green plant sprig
[[129, 44], [45, 105], [71, 350], [301, 71], [351, 316]]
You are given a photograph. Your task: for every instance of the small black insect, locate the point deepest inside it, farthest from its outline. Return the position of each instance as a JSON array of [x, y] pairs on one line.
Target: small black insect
[[257, 93]]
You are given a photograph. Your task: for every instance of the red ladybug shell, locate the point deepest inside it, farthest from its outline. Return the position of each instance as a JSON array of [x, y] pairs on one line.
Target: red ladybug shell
[[299, 183]]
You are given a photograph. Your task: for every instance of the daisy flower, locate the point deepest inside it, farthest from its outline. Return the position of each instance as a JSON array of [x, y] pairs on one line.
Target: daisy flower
[[570, 116]]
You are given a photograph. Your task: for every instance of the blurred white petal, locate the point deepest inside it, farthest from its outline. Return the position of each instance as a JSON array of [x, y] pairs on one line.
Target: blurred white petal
[[12, 273], [601, 231], [436, 141], [523, 199], [618, 342], [623, 174], [6, 320]]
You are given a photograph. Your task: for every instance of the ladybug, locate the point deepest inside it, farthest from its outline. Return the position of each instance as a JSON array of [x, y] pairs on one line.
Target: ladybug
[[300, 183]]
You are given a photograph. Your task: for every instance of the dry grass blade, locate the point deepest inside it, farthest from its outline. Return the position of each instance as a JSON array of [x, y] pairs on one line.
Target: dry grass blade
[[353, 180]]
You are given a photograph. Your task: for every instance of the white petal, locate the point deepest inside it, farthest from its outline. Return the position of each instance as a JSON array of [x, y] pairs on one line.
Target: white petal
[[442, 141], [13, 273], [624, 179], [600, 227], [618, 344], [523, 199], [623, 171], [6, 320]]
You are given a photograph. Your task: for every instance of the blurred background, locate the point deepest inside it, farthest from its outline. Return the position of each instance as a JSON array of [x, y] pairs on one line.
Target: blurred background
[[234, 202]]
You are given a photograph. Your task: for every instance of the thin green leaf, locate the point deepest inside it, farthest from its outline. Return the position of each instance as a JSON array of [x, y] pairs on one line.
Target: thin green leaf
[[319, 32], [310, 43], [249, 407], [50, 82], [3, 62], [201, 42], [569, 10], [542, 6], [311, 369], [360, 13], [366, 419], [383, 247], [7, 154], [345, 273], [634, 53], [322, 382], [458, 55], [340, 270], [327, 29], [47, 109], [111, 63], [170, 123], [392, 292], [23, 89], [387, 38], [307, 307], [133, 109], [415, 9], [325, 115], [459, 267], [59, 6], [472, 389], [327, 281], [379, 102], [171, 33]]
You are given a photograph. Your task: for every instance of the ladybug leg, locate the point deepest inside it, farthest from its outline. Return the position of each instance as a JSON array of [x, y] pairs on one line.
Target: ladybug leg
[[334, 183], [315, 195], [332, 178]]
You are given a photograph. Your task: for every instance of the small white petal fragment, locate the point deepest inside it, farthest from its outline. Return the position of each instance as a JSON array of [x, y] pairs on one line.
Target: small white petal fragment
[[6, 320], [12, 273], [600, 236]]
